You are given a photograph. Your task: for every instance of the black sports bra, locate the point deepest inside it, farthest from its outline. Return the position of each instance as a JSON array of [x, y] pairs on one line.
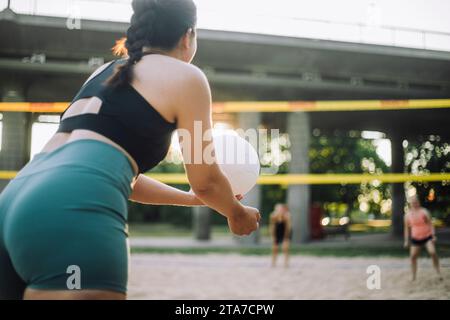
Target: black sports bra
[[126, 118]]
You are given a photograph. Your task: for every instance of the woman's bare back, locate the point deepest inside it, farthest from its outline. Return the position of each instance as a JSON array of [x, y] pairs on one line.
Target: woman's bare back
[[156, 78]]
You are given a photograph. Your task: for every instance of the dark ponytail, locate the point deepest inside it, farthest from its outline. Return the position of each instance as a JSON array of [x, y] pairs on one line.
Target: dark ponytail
[[154, 24]]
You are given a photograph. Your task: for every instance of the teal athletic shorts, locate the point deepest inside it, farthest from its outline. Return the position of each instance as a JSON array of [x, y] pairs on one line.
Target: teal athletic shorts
[[66, 209]]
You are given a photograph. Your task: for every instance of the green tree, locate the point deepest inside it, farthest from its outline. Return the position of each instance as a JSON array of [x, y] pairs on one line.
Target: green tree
[[347, 152], [430, 154]]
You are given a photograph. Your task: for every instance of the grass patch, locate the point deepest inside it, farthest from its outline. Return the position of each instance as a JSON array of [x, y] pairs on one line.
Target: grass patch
[[173, 231], [170, 230], [157, 230], [444, 251]]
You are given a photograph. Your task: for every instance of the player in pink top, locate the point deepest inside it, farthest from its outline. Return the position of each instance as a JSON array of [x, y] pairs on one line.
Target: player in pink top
[[418, 220]]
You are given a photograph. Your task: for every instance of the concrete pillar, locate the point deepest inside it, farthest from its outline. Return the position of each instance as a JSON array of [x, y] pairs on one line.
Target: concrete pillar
[[16, 134], [298, 196], [202, 223], [398, 189], [251, 121]]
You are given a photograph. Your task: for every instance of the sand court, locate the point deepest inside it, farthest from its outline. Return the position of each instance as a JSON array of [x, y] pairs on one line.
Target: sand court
[[231, 276]]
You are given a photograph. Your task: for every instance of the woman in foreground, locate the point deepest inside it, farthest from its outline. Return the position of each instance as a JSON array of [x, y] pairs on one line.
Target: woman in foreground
[[66, 211]]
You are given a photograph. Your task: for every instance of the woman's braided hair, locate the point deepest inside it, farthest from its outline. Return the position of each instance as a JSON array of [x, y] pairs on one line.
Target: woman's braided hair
[[154, 24]]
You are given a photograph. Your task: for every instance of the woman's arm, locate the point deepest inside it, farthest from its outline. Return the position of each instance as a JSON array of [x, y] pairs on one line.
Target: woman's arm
[[405, 231], [150, 191], [287, 232], [272, 226], [194, 119]]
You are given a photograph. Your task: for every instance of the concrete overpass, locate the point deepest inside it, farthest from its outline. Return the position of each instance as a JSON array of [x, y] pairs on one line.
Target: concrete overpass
[[42, 60], [239, 65]]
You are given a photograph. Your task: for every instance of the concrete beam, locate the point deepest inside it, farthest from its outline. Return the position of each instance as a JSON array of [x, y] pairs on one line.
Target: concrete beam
[[226, 78], [61, 22], [240, 37], [280, 41]]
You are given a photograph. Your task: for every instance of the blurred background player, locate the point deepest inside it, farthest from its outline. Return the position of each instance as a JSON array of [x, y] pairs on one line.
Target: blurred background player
[[422, 233], [280, 230]]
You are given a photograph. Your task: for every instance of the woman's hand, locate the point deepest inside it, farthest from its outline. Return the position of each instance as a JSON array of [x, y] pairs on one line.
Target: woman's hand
[[244, 222], [434, 239], [197, 202], [406, 244]]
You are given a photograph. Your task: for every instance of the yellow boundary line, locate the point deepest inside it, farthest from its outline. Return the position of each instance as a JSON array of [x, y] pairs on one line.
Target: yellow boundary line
[[318, 106], [301, 179], [44, 107], [264, 106]]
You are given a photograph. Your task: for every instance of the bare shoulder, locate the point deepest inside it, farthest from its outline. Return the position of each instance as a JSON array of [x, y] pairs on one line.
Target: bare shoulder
[[426, 212], [172, 86], [170, 77], [190, 69], [191, 88], [162, 67], [191, 75]]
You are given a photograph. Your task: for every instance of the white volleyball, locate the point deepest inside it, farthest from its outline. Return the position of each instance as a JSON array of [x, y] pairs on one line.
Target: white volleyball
[[238, 160]]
